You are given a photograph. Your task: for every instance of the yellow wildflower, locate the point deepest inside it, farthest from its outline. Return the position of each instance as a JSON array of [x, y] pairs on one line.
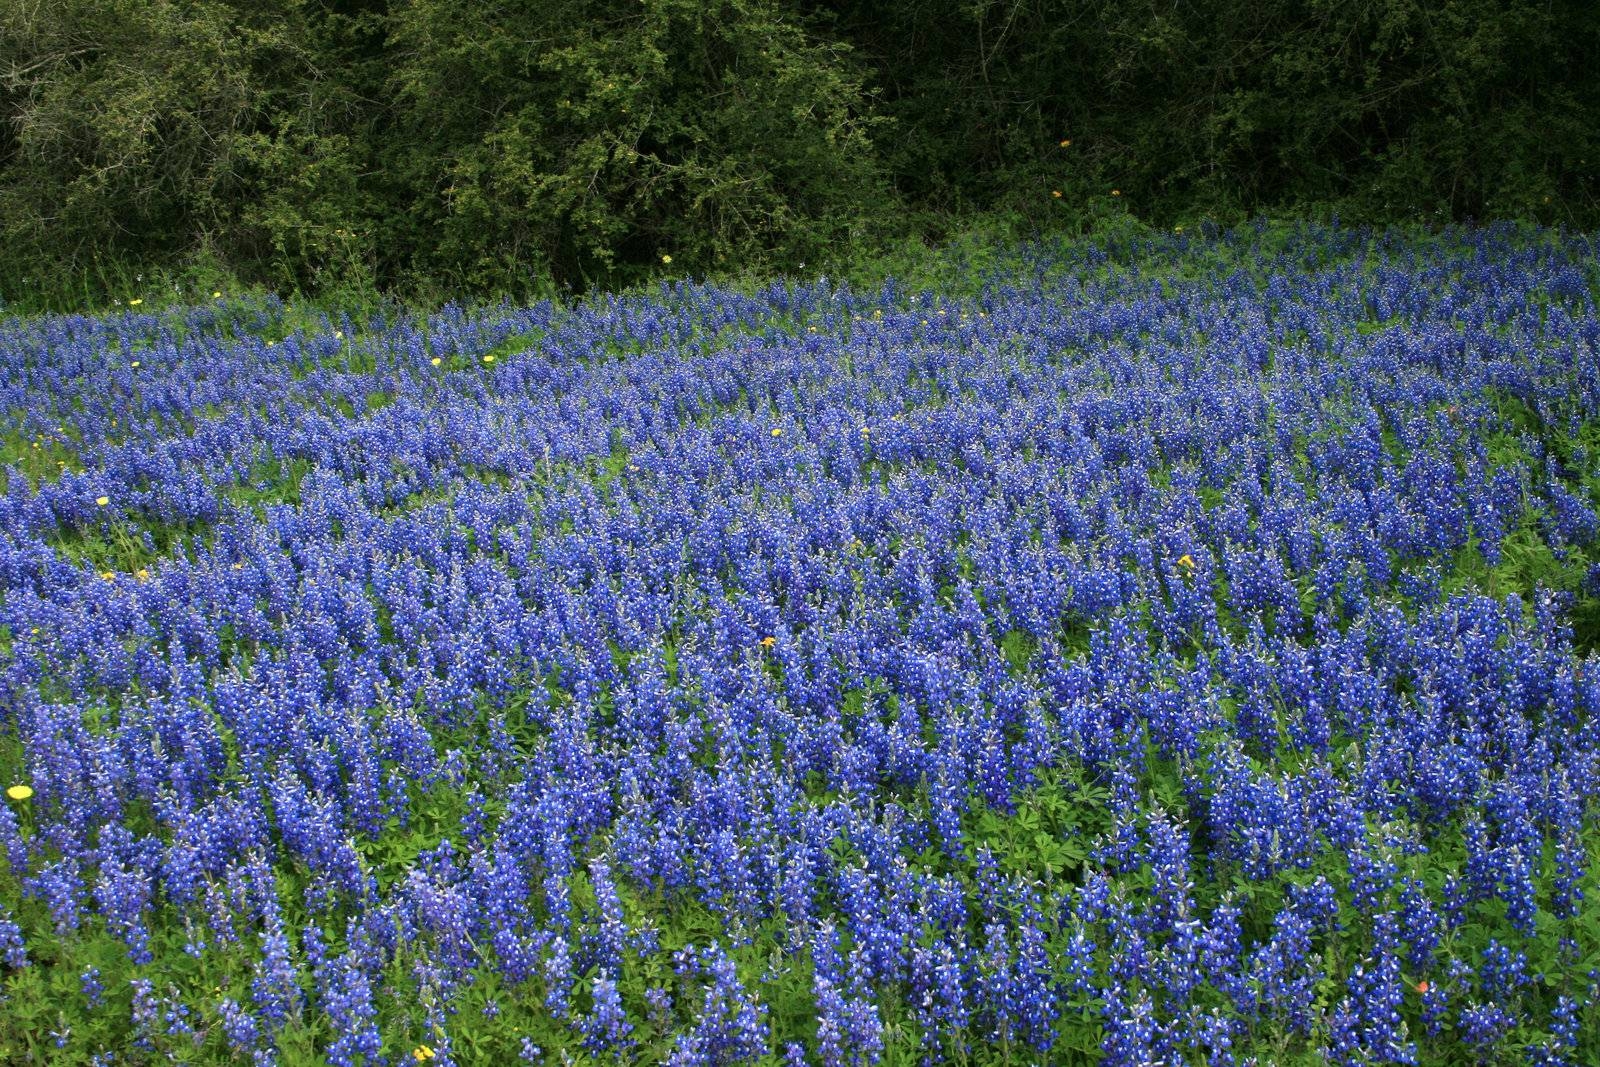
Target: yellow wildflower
[[135, 363], [489, 358], [1116, 192], [20, 792], [102, 500], [1187, 560], [768, 642], [777, 432], [1067, 143], [217, 295], [107, 575], [136, 301], [422, 1053], [436, 361], [1056, 193], [142, 573], [666, 259]]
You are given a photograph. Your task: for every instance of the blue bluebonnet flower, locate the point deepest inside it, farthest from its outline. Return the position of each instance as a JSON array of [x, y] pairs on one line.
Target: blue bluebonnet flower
[[13, 952], [1112, 647]]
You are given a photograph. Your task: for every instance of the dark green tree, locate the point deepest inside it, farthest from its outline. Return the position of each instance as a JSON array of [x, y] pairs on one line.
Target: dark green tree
[[590, 139], [464, 147]]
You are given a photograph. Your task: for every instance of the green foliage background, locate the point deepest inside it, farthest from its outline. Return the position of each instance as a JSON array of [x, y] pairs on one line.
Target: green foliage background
[[479, 147]]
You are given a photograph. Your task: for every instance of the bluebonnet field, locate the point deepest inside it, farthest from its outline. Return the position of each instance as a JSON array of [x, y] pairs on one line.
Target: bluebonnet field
[[1173, 651]]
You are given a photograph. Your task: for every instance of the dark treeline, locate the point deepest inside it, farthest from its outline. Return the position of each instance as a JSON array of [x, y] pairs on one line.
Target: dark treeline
[[482, 146]]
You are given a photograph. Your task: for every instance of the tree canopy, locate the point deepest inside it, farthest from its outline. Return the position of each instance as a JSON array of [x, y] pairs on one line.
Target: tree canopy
[[492, 147]]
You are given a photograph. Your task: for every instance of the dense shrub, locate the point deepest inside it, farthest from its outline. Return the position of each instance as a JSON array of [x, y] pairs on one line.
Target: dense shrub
[[433, 145], [588, 136], [1390, 109]]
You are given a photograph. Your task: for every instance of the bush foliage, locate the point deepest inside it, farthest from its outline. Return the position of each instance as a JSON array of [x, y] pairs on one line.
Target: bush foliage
[[431, 145]]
